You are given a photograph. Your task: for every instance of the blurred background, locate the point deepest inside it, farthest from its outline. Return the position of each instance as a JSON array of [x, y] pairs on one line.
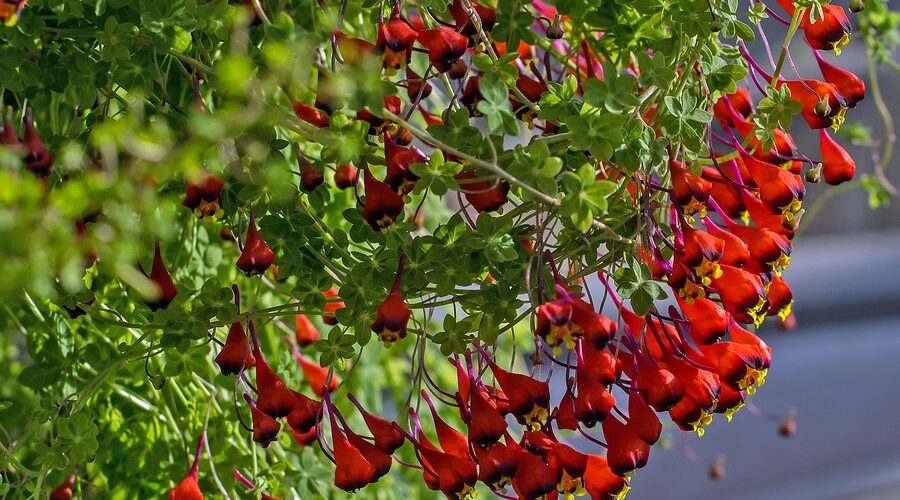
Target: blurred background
[[839, 369]]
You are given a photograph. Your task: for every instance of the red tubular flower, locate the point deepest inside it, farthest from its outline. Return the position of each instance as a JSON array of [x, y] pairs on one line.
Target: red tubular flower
[[702, 251], [453, 475], [310, 114], [709, 322], [316, 375], [642, 420], [596, 328], [64, 490], [331, 306], [38, 160], [852, 87], [7, 132], [306, 414], [304, 439], [769, 251], [383, 204], [736, 253], [376, 123], [779, 298], [570, 466], [189, 488], [497, 465], [735, 363], [204, 197], [730, 401], [311, 176], [256, 256], [352, 471], [593, 402], [779, 189], [380, 460], [657, 385], [345, 176], [529, 399], [837, 165], [304, 331], [275, 399], [739, 102], [742, 294], [352, 49], [161, 278], [485, 196], [565, 412], [690, 191], [725, 193], [812, 96], [534, 478], [265, 428], [601, 482], [393, 314], [387, 437], [417, 88], [830, 32], [601, 364], [763, 216], [486, 424], [395, 39], [235, 355], [627, 451], [444, 45], [554, 323], [465, 25], [399, 159]]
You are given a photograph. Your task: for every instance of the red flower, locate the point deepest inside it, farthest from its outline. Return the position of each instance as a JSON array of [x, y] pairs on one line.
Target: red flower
[[627, 451], [395, 39], [386, 435], [310, 114], [837, 165], [725, 193], [377, 124], [742, 294], [593, 402], [64, 490], [331, 306], [398, 160], [204, 197], [739, 102], [813, 95], [265, 428], [831, 32], [779, 298], [383, 204], [601, 364], [601, 482], [316, 374], [708, 321], [444, 47], [702, 251], [657, 385], [160, 277], [485, 196], [690, 191], [345, 176], [570, 466], [352, 471], [38, 160], [305, 415], [852, 87], [305, 438], [736, 252], [529, 399], [533, 478], [417, 88], [779, 189], [393, 314], [311, 176], [304, 331], [769, 251], [256, 256], [235, 355], [497, 464], [486, 424], [189, 488], [642, 420], [465, 25]]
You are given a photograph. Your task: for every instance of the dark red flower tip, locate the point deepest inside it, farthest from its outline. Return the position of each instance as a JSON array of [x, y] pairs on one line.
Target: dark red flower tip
[[837, 165], [398, 160], [204, 196], [691, 192], [162, 280], [64, 490], [331, 306], [658, 386], [852, 87], [626, 450], [7, 132], [275, 399], [305, 415], [769, 251], [763, 216], [593, 401], [570, 466], [310, 114], [730, 401], [345, 176], [37, 159], [700, 385], [735, 363], [444, 46], [386, 435], [810, 93], [417, 88], [642, 420], [352, 471], [736, 252], [256, 256], [598, 330], [702, 252], [565, 412], [601, 364], [187, 489], [265, 428], [380, 460], [311, 176], [316, 375], [709, 322], [485, 196], [395, 39], [235, 355], [486, 424], [383, 204], [392, 316], [725, 193]]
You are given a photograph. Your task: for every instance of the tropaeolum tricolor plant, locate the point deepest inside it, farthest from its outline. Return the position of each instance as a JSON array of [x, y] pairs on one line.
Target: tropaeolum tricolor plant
[[496, 246]]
